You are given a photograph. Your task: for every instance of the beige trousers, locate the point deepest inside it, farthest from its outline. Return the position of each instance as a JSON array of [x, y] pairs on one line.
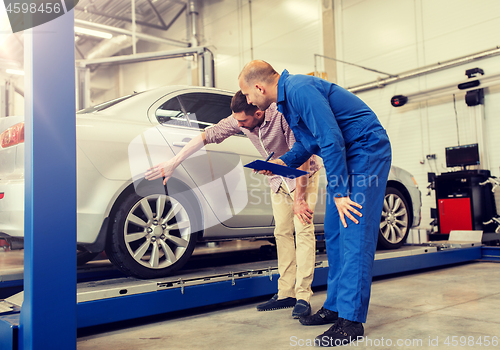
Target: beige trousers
[[296, 255]]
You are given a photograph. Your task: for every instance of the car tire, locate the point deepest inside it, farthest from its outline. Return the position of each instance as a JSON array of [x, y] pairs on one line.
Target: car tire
[[395, 220], [146, 244]]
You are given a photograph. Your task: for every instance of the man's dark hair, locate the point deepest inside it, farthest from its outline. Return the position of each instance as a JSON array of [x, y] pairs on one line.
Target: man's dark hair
[[239, 104]]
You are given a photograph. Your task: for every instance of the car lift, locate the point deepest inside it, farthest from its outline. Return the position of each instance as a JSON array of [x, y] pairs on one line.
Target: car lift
[[116, 298]]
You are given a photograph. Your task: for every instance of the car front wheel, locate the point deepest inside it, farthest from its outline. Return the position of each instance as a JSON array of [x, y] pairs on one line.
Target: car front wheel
[[152, 235], [395, 220]]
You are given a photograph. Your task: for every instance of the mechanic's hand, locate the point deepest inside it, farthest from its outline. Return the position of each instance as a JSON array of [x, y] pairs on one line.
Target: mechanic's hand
[[268, 172], [165, 170], [345, 206], [303, 212]]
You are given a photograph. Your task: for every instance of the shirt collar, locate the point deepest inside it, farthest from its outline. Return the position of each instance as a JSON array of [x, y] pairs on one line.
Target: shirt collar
[[270, 111], [281, 89], [268, 114]]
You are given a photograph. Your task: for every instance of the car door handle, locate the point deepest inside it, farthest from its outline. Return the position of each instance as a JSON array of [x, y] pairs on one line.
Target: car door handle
[[183, 143]]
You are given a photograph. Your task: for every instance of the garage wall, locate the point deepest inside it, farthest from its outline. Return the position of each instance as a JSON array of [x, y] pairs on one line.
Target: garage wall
[[395, 36], [286, 33], [108, 82]]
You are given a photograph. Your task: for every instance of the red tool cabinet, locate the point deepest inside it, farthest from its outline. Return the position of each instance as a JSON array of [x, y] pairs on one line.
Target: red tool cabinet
[[462, 204]]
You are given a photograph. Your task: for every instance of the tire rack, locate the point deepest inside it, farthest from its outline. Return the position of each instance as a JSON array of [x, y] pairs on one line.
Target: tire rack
[[111, 300]]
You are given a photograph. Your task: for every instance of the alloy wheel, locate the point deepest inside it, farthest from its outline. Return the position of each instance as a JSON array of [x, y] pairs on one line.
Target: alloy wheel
[[394, 221], [157, 231]]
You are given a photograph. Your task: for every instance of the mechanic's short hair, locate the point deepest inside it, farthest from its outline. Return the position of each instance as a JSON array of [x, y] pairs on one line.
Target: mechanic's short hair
[[239, 104], [258, 71]]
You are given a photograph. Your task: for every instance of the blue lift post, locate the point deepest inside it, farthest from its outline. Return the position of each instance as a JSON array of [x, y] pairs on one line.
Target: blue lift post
[[48, 313]]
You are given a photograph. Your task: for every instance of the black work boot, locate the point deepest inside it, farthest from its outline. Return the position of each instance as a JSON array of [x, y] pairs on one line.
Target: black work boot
[[275, 304], [341, 333], [322, 316]]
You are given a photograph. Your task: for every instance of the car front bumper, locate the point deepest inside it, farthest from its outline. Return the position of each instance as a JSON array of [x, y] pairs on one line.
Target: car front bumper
[[416, 199]]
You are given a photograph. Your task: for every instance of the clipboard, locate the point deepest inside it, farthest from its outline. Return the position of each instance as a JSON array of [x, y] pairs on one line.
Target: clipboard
[[276, 169]]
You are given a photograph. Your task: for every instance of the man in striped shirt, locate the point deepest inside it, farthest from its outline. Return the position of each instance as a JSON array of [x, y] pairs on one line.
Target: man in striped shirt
[[293, 201]]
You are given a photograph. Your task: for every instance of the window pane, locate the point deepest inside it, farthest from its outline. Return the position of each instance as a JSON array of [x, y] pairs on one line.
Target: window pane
[[206, 109], [171, 113]]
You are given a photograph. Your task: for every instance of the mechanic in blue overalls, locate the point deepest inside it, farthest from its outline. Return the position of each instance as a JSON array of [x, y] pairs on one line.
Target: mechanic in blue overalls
[[333, 123]]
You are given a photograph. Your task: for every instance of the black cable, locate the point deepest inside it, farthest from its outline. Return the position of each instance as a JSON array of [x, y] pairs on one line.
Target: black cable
[[456, 118]]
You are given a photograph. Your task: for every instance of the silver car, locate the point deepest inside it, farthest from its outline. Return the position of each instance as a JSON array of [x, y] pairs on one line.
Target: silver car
[[149, 230]]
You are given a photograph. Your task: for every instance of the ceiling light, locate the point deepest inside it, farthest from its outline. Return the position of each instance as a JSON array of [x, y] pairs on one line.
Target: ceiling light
[[92, 32], [15, 71]]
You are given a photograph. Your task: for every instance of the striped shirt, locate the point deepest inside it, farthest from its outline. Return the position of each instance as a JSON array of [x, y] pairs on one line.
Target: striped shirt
[[273, 135]]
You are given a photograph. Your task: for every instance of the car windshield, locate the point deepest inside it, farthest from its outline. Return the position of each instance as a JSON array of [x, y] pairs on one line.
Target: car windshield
[[107, 104]]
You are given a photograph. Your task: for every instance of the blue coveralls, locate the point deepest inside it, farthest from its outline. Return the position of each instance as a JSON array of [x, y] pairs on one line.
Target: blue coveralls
[[333, 123]]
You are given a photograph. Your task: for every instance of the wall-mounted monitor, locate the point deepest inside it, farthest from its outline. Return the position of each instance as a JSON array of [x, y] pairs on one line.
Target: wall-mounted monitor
[[462, 156]]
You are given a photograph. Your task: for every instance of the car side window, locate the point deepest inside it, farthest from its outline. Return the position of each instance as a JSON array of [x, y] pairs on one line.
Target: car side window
[[171, 113], [205, 109]]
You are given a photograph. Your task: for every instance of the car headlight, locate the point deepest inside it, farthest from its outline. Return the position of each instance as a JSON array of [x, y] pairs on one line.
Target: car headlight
[[12, 136], [414, 181]]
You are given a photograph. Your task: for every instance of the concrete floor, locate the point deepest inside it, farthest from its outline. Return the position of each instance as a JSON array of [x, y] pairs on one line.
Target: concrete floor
[[413, 311]]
